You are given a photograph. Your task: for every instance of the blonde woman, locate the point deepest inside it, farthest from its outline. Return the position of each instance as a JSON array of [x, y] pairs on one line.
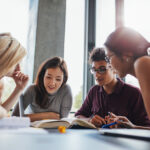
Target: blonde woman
[[11, 54]]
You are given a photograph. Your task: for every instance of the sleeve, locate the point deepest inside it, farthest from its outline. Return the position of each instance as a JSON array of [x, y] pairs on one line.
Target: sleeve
[[66, 102], [138, 112], [86, 107], [27, 99]]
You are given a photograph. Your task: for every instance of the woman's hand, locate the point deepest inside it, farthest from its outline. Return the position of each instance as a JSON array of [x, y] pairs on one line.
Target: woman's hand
[[122, 121], [20, 79]]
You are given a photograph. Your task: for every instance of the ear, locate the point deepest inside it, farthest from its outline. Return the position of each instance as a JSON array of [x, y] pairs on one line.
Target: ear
[[127, 56]]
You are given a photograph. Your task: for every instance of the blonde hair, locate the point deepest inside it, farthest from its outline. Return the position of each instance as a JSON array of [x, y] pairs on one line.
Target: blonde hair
[[11, 53]]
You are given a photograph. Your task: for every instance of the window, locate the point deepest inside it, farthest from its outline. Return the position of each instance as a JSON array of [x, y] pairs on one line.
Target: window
[[74, 48], [105, 20], [14, 20]]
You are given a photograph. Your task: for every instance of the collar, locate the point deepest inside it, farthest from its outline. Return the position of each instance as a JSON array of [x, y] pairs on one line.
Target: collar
[[118, 87]]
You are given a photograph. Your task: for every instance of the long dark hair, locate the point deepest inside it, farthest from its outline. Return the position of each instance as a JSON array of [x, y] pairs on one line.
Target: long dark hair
[[125, 39], [41, 93]]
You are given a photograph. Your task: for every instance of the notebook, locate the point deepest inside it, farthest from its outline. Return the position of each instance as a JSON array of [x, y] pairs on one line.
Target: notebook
[[14, 122], [128, 133]]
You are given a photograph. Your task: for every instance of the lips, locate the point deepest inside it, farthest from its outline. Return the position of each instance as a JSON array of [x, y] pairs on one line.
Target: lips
[[51, 88]]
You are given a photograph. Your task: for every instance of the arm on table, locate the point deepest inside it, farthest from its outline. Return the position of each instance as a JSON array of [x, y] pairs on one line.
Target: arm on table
[[43, 115]]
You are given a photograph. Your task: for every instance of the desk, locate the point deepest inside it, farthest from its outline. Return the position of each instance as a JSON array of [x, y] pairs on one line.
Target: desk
[[73, 139]]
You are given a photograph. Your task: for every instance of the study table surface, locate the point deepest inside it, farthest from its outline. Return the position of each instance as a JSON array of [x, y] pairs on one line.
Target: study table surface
[[73, 139]]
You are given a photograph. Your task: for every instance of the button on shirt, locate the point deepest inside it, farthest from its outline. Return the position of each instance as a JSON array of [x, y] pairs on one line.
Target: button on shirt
[[126, 100]]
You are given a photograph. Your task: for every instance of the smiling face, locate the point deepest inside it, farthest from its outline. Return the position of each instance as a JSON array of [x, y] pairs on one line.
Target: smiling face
[[103, 78], [53, 79]]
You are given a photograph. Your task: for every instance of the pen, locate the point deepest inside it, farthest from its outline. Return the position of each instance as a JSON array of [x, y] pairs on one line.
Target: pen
[[108, 125]]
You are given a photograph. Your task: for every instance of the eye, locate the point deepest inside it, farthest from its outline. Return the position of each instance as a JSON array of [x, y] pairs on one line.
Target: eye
[[102, 69], [58, 79], [48, 77]]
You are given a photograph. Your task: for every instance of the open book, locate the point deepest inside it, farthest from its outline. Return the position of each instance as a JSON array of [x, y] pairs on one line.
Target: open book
[[67, 122]]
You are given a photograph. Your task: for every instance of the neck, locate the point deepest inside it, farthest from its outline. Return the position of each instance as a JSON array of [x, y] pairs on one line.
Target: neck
[[131, 70], [109, 88]]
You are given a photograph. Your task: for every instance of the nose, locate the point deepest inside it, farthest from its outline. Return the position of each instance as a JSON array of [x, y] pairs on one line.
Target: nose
[[52, 82], [97, 74]]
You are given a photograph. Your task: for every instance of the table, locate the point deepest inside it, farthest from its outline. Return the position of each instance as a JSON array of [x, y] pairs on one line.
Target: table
[[73, 139]]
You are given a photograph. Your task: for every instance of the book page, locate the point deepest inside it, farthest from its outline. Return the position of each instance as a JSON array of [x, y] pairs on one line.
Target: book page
[[83, 123], [50, 123]]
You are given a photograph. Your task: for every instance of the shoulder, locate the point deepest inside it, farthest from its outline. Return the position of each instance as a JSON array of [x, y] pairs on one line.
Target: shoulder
[[142, 64], [128, 88], [131, 88], [95, 89], [31, 89], [66, 87], [142, 70]]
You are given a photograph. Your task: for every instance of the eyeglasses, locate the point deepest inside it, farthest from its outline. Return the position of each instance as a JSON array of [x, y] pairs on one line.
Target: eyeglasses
[[100, 70]]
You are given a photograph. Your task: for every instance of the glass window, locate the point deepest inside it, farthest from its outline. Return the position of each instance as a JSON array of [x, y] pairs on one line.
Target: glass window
[[15, 21], [74, 48], [137, 15], [105, 20]]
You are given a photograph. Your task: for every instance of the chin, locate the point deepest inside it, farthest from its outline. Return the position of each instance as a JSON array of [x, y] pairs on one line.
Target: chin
[[100, 83], [52, 91]]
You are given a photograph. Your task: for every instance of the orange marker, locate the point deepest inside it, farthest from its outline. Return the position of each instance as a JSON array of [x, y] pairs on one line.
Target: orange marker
[[62, 129]]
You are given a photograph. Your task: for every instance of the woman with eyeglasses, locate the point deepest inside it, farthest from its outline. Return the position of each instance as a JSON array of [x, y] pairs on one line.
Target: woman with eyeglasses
[[110, 95], [128, 53], [50, 97]]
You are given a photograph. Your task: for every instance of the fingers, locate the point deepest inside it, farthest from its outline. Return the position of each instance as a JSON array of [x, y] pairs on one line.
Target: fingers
[[112, 115], [20, 76], [98, 121]]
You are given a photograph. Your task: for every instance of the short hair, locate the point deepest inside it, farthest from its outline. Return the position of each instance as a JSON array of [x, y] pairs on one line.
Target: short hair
[[125, 39], [11, 53], [97, 54], [41, 94]]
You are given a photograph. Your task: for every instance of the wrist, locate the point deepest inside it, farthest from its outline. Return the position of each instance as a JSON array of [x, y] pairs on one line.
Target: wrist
[[18, 89]]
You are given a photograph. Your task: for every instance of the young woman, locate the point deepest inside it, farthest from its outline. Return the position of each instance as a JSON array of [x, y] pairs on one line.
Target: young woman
[[128, 51], [49, 97], [11, 53]]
